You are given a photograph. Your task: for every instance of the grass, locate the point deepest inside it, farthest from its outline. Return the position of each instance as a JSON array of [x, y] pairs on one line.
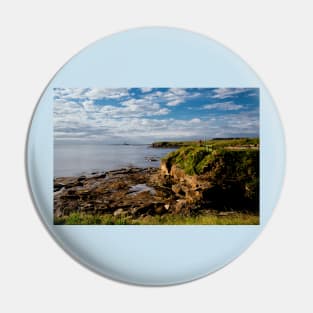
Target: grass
[[215, 143], [173, 144], [109, 219], [222, 143], [197, 160]]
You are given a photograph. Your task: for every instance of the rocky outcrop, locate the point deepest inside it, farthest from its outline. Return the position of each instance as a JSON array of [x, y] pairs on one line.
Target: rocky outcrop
[[222, 180], [187, 189]]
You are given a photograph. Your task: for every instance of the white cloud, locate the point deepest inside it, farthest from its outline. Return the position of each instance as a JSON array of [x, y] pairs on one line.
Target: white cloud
[[143, 118], [224, 106], [173, 103], [223, 93], [195, 120], [178, 91], [163, 111], [171, 97], [142, 107], [144, 130], [91, 93], [144, 90], [108, 93], [64, 107], [89, 106], [67, 93]]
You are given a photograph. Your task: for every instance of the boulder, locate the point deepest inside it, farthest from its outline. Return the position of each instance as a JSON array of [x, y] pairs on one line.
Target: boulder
[[178, 189], [181, 206], [57, 186], [119, 212], [81, 178]]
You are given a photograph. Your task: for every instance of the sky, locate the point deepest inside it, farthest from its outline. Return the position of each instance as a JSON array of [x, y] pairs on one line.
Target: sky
[[145, 115]]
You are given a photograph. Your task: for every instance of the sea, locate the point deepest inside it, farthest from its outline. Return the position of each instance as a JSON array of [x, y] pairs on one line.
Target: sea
[[80, 159]]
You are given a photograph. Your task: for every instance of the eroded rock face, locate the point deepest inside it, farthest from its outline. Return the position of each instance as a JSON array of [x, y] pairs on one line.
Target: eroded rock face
[[211, 190], [187, 187]]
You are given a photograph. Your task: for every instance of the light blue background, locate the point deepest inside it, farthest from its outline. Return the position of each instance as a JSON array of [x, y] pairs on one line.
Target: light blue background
[[154, 255]]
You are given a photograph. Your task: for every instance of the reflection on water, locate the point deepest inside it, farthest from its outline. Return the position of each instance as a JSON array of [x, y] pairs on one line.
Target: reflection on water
[[75, 159]]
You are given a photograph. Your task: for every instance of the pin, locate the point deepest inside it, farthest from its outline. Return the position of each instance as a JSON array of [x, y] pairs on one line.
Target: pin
[[155, 156]]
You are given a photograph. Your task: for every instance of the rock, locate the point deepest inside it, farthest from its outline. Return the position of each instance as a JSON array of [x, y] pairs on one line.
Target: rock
[[87, 207], [163, 168], [70, 197], [81, 178], [101, 190], [152, 158], [117, 185], [160, 209], [177, 188], [181, 206], [121, 171], [74, 184], [178, 174], [57, 186], [82, 192], [103, 175], [193, 195], [136, 211], [103, 208], [226, 213], [139, 188], [119, 212], [125, 192]]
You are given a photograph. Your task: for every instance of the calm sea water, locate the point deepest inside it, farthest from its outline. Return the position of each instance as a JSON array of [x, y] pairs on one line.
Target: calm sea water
[[74, 159]]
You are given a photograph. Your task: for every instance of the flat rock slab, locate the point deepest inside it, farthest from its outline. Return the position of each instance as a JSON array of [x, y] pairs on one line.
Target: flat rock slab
[[131, 190]]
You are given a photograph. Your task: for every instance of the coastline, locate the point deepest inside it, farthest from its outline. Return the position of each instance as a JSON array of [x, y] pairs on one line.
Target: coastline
[[199, 183], [133, 196]]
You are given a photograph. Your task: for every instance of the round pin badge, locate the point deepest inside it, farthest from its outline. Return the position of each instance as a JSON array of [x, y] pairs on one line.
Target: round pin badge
[[155, 156]]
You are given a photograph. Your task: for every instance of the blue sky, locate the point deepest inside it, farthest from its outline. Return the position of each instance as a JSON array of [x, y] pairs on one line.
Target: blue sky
[[144, 115]]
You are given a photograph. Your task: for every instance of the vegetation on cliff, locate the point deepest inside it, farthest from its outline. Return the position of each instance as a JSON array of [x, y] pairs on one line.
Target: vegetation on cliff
[[172, 144], [230, 166]]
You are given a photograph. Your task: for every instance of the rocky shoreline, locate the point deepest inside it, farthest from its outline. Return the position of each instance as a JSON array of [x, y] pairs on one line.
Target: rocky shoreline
[[191, 182], [132, 192], [117, 192]]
